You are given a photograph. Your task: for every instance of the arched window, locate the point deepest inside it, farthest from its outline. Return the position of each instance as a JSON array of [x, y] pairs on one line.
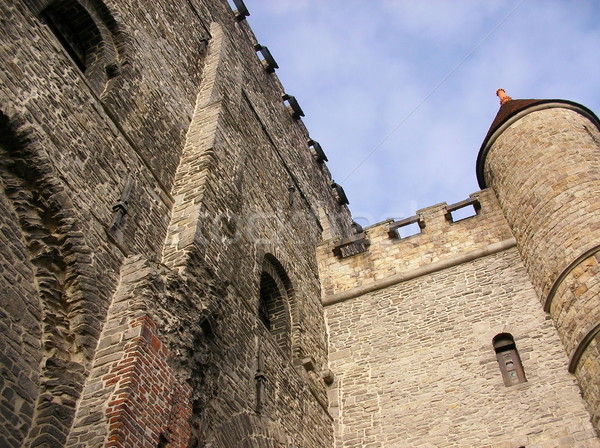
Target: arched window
[[508, 359], [274, 302], [85, 37]]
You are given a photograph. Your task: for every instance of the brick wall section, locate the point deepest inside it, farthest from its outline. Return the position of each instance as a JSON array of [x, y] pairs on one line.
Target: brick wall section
[[555, 216], [81, 145], [136, 390], [415, 366], [439, 240], [148, 402]]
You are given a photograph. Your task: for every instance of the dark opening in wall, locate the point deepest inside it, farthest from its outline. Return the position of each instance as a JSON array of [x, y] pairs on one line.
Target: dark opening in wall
[[86, 34], [274, 304], [75, 29], [163, 442], [508, 359], [269, 295]]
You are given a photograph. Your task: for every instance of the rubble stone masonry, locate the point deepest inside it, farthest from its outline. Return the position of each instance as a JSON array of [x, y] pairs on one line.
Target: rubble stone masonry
[[171, 272], [153, 139], [555, 216], [412, 353]]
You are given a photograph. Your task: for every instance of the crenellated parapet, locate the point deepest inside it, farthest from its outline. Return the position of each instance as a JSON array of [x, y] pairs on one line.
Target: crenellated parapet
[[381, 255]]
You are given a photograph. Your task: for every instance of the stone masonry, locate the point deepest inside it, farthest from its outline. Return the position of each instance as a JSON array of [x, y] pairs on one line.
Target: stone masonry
[[150, 172], [178, 268], [412, 352]]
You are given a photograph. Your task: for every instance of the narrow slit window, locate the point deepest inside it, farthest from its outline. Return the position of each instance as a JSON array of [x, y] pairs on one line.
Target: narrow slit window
[[508, 359]]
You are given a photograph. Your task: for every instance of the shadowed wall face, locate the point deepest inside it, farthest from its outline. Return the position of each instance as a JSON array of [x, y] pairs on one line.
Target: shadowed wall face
[[163, 169]]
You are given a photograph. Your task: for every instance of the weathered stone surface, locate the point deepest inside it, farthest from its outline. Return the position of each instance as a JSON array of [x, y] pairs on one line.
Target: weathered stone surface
[[166, 241], [555, 217], [415, 366], [169, 142]]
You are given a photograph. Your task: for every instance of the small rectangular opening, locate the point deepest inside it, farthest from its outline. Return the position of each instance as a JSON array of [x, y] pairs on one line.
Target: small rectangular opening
[[409, 230], [463, 213], [406, 227], [462, 210]]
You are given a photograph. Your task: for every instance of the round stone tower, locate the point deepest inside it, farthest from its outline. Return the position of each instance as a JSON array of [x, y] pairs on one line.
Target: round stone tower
[[542, 159]]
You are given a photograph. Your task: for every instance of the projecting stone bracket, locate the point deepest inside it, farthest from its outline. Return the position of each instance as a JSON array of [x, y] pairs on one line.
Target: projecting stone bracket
[[352, 246], [268, 61], [327, 376], [317, 151], [293, 106], [308, 363]]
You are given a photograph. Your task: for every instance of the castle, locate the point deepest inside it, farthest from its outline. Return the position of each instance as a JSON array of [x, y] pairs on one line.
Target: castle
[[180, 270]]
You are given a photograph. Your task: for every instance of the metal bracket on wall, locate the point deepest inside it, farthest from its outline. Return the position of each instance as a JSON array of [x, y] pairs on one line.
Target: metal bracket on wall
[[120, 209]]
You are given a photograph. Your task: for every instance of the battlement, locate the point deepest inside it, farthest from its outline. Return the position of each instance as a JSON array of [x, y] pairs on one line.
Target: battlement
[[441, 236]]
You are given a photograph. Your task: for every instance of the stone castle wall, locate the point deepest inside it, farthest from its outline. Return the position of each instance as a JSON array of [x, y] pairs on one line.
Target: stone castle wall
[[440, 241], [415, 366], [167, 249], [555, 216], [164, 145], [412, 353]]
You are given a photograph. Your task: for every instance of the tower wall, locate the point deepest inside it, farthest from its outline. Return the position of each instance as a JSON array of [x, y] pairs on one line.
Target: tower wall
[[543, 162], [412, 350]]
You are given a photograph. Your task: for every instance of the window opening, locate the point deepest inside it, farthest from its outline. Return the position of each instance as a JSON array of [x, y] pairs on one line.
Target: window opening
[[87, 34], [463, 210], [268, 296], [75, 29], [508, 359], [409, 230], [274, 304]]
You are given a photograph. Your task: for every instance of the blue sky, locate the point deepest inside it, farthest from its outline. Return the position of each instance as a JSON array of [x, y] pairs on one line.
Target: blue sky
[[401, 93]]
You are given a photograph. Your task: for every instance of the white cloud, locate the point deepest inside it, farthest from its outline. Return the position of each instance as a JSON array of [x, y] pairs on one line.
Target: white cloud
[[360, 69]]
